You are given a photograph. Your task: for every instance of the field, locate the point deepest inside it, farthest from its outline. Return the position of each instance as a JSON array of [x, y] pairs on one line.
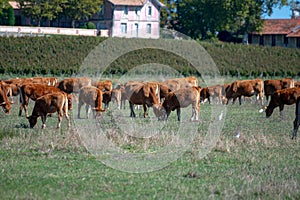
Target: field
[[201, 161]]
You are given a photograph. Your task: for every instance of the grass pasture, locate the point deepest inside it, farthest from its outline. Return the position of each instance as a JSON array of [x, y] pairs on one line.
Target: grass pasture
[[263, 163]]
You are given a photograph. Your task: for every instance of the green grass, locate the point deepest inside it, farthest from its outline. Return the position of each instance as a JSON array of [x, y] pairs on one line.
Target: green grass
[[53, 164]]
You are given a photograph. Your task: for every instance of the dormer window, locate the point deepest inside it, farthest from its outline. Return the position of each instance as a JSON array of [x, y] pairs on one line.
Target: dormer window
[[137, 11]]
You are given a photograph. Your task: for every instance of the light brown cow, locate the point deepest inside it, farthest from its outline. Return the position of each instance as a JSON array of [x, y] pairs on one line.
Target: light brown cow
[[118, 95], [48, 104], [215, 91], [270, 86], [34, 91], [91, 96], [103, 85], [180, 99], [73, 85], [142, 93], [282, 97], [246, 88], [297, 119], [179, 83], [4, 102]]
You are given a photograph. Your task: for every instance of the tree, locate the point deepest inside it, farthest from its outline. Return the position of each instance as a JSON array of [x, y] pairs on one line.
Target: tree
[[39, 9], [204, 18], [3, 5], [81, 9], [7, 16]]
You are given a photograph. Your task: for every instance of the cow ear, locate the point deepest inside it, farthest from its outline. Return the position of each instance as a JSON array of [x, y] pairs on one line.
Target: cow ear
[[146, 89]]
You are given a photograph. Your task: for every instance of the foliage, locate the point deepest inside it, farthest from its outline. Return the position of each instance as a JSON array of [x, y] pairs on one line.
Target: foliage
[[81, 9], [3, 5], [91, 25], [199, 18], [65, 54], [7, 17]]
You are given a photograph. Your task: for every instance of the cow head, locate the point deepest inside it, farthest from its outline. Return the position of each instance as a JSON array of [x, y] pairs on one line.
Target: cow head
[[32, 121], [6, 107], [268, 111], [160, 112]]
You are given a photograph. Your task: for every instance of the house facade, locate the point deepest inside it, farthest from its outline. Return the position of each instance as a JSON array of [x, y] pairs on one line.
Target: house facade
[[278, 32], [131, 18], [118, 18]]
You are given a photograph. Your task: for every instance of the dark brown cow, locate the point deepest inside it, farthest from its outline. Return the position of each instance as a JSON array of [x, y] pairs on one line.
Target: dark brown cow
[[48, 104], [142, 93], [91, 96], [34, 91], [215, 91], [4, 102], [103, 85], [246, 88], [73, 85], [297, 119], [271, 86], [180, 99], [282, 97]]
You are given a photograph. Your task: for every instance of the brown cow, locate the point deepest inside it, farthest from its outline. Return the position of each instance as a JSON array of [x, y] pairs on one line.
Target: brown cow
[[282, 97], [91, 96], [246, 88], [118, 94], [270, 86], [215, 91], [73, 85], [142, 93], [297, 119], [34, 91], [4, 102], [180, 99], [48, 104], [179, 83]]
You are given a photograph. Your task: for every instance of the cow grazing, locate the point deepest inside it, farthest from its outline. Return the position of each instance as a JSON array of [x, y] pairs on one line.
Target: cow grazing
[[215, 91], [73, 85], [4, 102], [282, 97], [271, 86], [48, 104], [142, 93], [33, 92], [181, 98], [246, 88], [91, 96], [297, 119]]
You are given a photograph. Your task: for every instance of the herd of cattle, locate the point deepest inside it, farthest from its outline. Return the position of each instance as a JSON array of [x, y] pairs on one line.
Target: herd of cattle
[[51, 95]]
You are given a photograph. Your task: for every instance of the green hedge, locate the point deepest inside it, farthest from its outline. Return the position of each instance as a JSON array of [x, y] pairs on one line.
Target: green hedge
[[63, 55]]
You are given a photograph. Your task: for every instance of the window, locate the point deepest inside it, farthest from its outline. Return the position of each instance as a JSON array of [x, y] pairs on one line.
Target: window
[[125, 10], [285, 41], [148, 28], [149, 10], [137, 11], [273, 40], [123, 28]]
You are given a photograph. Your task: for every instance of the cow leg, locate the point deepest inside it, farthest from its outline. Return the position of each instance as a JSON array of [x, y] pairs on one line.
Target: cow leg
[[44, 117], [240, 100], [59, 119], [281, 111], [296, 127], [178, 114], [79, 108], [145, 110], [132, 114], [87, 111]]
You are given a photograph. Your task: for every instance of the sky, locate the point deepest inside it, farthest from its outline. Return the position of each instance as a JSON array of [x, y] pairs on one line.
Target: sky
[[283, 13]]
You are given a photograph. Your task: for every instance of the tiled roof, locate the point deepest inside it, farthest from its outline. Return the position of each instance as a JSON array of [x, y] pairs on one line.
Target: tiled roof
[[14, 4], [279, 26], [133, 2], [295, 32], [128, 2]]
